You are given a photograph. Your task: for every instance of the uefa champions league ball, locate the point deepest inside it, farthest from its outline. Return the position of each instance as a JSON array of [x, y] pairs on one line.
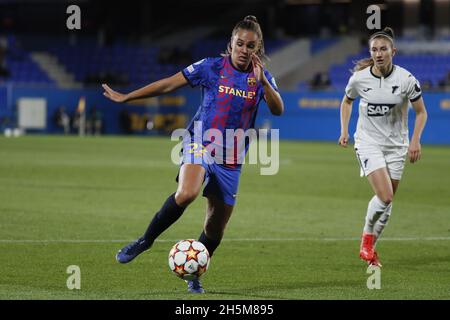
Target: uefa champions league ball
[[189, 259]]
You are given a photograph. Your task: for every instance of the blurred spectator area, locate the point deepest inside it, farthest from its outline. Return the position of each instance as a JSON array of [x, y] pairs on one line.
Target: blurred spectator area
[[429, 69], [132, 64], [17, 65]]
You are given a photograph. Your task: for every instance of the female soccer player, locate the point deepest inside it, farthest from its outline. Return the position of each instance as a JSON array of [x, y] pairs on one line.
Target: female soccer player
[[232, 87], [381, 137]]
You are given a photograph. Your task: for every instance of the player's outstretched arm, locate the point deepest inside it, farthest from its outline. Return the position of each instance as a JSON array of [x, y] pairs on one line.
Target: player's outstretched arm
[[415, 149], [346, 111], [154, 89]]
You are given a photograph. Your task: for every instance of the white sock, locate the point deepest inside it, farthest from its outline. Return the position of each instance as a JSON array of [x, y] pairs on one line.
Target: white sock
[[381, 223], [375, 209]]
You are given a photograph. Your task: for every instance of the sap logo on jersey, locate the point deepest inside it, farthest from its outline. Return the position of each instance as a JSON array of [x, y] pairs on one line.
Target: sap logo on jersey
[[378, 110]]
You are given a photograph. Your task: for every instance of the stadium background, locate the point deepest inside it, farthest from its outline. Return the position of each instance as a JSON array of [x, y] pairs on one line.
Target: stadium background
[[312, 45], [70, 200]]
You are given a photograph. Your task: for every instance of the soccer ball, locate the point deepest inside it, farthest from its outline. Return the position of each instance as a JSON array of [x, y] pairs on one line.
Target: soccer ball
[[188, 259]]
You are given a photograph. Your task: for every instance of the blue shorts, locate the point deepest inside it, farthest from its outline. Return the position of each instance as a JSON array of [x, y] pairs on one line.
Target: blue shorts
[[220, 180]]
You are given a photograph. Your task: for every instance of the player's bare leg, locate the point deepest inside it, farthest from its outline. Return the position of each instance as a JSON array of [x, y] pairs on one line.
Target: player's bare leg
[[190, 181], [382, 185]]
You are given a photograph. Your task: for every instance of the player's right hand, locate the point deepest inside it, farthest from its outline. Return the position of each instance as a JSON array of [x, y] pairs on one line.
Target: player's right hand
[[343, 140], [113, 95]]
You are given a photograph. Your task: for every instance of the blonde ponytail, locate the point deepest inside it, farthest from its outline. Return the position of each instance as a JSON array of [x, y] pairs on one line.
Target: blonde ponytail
[[362, 64]]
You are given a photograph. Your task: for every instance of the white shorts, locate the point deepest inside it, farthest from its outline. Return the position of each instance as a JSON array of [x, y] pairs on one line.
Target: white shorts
[[373, 157]]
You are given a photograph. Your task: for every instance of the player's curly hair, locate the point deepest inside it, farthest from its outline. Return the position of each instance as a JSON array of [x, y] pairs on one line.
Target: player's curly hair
[[250, 23], [386, 33]]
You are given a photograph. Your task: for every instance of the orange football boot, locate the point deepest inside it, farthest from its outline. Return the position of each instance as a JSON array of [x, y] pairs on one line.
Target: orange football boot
[[366, 251], [375, 260]]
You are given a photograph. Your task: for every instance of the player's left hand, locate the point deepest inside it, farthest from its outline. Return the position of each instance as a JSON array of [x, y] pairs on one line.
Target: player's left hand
[[414, 151], [114, 95], [258, 69]]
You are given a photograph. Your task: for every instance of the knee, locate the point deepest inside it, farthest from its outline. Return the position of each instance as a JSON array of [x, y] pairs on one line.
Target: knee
[[387, 198], [185, 197]]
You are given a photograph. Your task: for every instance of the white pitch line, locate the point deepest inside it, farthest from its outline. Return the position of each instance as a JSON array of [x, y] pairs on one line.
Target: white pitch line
[[230, 239]]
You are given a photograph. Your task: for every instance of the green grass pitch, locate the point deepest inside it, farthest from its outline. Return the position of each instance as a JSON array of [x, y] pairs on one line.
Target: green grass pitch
[[76, 201]]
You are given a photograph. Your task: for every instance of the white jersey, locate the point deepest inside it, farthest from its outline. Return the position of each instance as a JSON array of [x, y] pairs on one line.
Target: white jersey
[[383, 107]]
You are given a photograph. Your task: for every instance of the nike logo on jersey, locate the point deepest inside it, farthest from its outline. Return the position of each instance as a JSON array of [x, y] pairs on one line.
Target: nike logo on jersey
[[394, 88], [378, 110], [366, 90]]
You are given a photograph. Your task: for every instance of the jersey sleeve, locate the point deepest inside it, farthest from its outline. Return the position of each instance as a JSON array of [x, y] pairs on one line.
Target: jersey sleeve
[[413, 90], [197, 73], [271, 80], [350, 89]]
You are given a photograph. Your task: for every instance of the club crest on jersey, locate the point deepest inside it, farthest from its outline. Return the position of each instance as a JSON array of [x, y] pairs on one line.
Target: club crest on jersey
[[251, 82], [365, 163], [394, 88], [378, 110]]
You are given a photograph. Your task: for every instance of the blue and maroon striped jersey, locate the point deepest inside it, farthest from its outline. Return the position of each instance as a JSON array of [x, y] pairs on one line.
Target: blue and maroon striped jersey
[[230, 97]]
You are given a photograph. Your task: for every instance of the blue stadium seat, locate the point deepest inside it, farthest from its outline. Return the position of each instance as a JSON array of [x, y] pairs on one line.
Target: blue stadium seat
[[424, 66]]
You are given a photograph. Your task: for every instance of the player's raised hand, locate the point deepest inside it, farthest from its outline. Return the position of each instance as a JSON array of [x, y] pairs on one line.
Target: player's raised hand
[[258, 69], [113, 95]]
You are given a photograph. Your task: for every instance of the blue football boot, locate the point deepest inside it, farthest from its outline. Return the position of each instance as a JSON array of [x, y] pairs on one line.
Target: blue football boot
[[132, 250], [195, 286]]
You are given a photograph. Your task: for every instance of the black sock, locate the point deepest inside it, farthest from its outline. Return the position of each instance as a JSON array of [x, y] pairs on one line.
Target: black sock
[[163, 219], [210, 244]]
